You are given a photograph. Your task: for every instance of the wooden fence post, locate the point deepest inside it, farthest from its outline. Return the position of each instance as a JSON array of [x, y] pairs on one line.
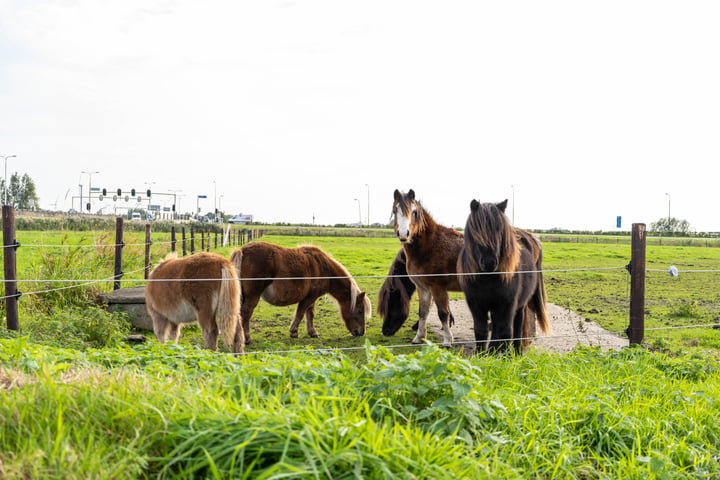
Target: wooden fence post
[[202, 241], [192, 239], [636, 330], [148, 242], [10, 246], [184, 242], [118, 252], [173, 240]]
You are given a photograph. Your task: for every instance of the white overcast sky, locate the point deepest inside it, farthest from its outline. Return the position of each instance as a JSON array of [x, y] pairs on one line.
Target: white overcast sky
[[583, 111]]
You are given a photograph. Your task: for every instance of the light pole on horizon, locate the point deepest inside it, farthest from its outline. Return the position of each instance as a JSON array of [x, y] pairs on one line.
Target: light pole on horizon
[[368, 212], [90, 174], [5, 157], [668, 195], [176, 209], [359, 213]]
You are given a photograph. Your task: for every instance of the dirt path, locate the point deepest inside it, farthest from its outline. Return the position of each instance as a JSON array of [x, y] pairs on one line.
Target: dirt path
[[568, 330]]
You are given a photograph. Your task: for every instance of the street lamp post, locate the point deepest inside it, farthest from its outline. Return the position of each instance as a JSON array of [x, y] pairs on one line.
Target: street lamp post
[[368, 217], [90, 174], [668, 195], [176, 209], [359, 213], [5, 157]]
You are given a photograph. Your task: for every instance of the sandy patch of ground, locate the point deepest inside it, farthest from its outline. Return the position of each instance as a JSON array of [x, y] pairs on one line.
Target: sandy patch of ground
[[568, 330]]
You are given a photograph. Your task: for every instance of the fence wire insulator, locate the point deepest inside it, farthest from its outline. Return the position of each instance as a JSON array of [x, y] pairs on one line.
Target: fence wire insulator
[[628, 267]]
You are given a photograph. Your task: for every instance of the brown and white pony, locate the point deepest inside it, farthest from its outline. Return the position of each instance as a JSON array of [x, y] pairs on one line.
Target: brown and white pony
[[202, 287], [287, 276], [431, 253], [502, 281]]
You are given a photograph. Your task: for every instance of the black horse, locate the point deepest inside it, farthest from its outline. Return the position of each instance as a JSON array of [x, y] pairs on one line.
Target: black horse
[[507, 281], [394, 297]]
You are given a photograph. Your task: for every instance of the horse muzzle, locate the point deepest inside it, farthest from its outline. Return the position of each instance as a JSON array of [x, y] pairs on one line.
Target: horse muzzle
[[358, 332], [404, 237]]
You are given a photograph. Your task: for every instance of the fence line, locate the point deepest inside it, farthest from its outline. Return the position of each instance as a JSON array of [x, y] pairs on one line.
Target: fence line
[[118, 274]]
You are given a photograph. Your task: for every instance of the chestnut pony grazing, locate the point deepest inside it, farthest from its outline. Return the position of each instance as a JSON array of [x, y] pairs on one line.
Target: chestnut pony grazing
[[431, 251], [507, 283], [287, 276], [202, 287]]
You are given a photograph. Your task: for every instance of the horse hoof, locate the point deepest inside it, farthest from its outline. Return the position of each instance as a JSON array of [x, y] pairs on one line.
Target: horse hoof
[[313, 335], [417, 341], [293, 335]]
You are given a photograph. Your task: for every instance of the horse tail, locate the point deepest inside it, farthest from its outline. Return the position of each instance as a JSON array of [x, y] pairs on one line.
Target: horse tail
[[227, 314], [538, 301]]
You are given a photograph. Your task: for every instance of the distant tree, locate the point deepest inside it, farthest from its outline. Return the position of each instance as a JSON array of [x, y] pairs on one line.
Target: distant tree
[[21, 192], [670, 226]]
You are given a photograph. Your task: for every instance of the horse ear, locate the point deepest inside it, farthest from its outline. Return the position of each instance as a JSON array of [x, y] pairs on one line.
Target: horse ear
[[502, 205], [411, 194], [397, 195], [474, 205]]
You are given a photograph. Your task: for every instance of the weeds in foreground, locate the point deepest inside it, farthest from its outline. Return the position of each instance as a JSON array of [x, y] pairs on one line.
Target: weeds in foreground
[[170, 411]]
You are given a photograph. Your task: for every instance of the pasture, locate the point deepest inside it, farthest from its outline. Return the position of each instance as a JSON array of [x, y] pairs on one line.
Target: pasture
[[76, 401], [588, 278]]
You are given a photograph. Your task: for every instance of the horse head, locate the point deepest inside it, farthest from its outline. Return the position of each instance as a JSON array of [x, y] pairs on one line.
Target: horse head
[[394, 296], [490, 239], [356, 312], [407, 215]]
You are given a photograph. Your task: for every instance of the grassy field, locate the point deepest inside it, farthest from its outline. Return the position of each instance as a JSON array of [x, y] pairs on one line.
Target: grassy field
[[77, 401], [588, 278]]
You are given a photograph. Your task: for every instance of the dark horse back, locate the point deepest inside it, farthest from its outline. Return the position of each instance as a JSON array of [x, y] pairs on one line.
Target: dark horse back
[[394, 297]]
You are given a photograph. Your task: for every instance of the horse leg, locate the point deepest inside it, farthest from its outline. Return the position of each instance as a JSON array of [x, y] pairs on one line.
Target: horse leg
[[302, 307], [161, 325], [239, 340], [208, 325], [425, 297], [502, 330], [173, 331], [442, 302], [309, 324], [519, 330], [481, 318], [247, 307]]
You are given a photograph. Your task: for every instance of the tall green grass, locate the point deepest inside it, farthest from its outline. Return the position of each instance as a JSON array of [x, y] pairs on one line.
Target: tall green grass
[[177, 412]]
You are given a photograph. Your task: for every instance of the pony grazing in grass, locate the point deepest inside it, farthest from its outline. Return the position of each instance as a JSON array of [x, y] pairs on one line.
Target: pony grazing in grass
[[503, 278], [203, 288], [287, 276], [394, 297], [431, 252]]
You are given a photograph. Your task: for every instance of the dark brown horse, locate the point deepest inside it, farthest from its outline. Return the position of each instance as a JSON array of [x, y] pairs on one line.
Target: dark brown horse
[[287, 276], [431, 252], [502, 280], [203, 288]]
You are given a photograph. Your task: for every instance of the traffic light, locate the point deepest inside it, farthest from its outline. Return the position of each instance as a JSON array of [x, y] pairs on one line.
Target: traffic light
[[148, 193], [104, 192], [119, 192], [132, 192], [173, 207], [88, 206]]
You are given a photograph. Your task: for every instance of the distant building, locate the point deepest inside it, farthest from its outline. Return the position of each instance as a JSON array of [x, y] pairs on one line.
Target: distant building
[[242, 219]]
